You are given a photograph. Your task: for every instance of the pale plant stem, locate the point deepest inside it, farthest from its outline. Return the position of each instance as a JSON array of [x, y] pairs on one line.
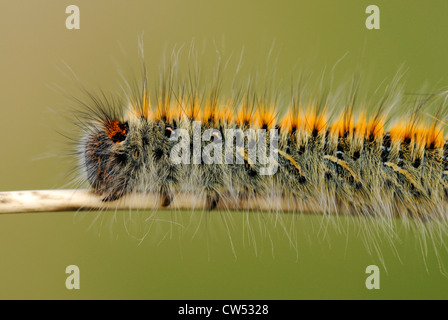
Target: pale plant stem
[[74, 200]]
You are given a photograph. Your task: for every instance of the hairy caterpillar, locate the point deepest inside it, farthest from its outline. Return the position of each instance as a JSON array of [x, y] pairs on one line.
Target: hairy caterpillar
[[198, 142]]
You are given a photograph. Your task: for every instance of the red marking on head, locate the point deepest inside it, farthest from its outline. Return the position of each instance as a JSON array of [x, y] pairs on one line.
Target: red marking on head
[[117, 130]]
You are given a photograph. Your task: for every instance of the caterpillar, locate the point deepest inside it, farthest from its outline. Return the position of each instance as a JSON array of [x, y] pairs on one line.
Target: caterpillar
[[320, 155]]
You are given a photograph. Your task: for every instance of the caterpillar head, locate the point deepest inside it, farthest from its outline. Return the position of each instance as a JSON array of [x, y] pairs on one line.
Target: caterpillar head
[[120, 157], [114, 152]]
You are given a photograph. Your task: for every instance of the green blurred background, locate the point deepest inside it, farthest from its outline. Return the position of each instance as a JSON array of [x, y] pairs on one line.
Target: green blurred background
[[200, 255]]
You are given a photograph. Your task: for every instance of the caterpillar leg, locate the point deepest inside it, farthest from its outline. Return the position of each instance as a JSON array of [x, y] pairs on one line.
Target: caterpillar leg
[[211, 200], [165, 198]]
